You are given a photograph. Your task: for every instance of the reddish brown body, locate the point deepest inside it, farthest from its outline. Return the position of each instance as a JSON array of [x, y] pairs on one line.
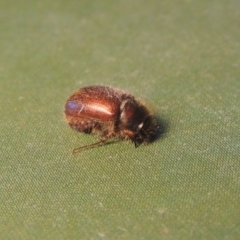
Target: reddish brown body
[[109, 112]]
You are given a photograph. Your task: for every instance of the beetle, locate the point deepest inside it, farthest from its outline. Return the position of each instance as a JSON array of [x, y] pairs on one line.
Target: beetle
[[109, 112]]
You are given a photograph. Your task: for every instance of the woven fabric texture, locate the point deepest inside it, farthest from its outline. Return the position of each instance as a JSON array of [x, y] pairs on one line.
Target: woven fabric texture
[[179, 57]]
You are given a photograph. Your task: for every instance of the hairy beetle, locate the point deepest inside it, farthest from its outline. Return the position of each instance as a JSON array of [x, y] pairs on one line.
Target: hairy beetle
[[109, 112]]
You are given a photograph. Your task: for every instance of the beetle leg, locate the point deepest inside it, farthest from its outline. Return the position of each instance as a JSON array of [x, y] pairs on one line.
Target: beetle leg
[[104, 139], [83, 126]]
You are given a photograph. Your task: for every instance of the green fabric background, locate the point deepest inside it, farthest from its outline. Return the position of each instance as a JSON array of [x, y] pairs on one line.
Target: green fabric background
[[180, 57]]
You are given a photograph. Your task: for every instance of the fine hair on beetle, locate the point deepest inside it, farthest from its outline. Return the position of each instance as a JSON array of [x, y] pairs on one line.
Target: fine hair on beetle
[[109, 112]]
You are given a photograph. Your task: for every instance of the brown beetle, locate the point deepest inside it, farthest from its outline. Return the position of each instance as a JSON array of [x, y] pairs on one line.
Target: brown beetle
[[109, 112]]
